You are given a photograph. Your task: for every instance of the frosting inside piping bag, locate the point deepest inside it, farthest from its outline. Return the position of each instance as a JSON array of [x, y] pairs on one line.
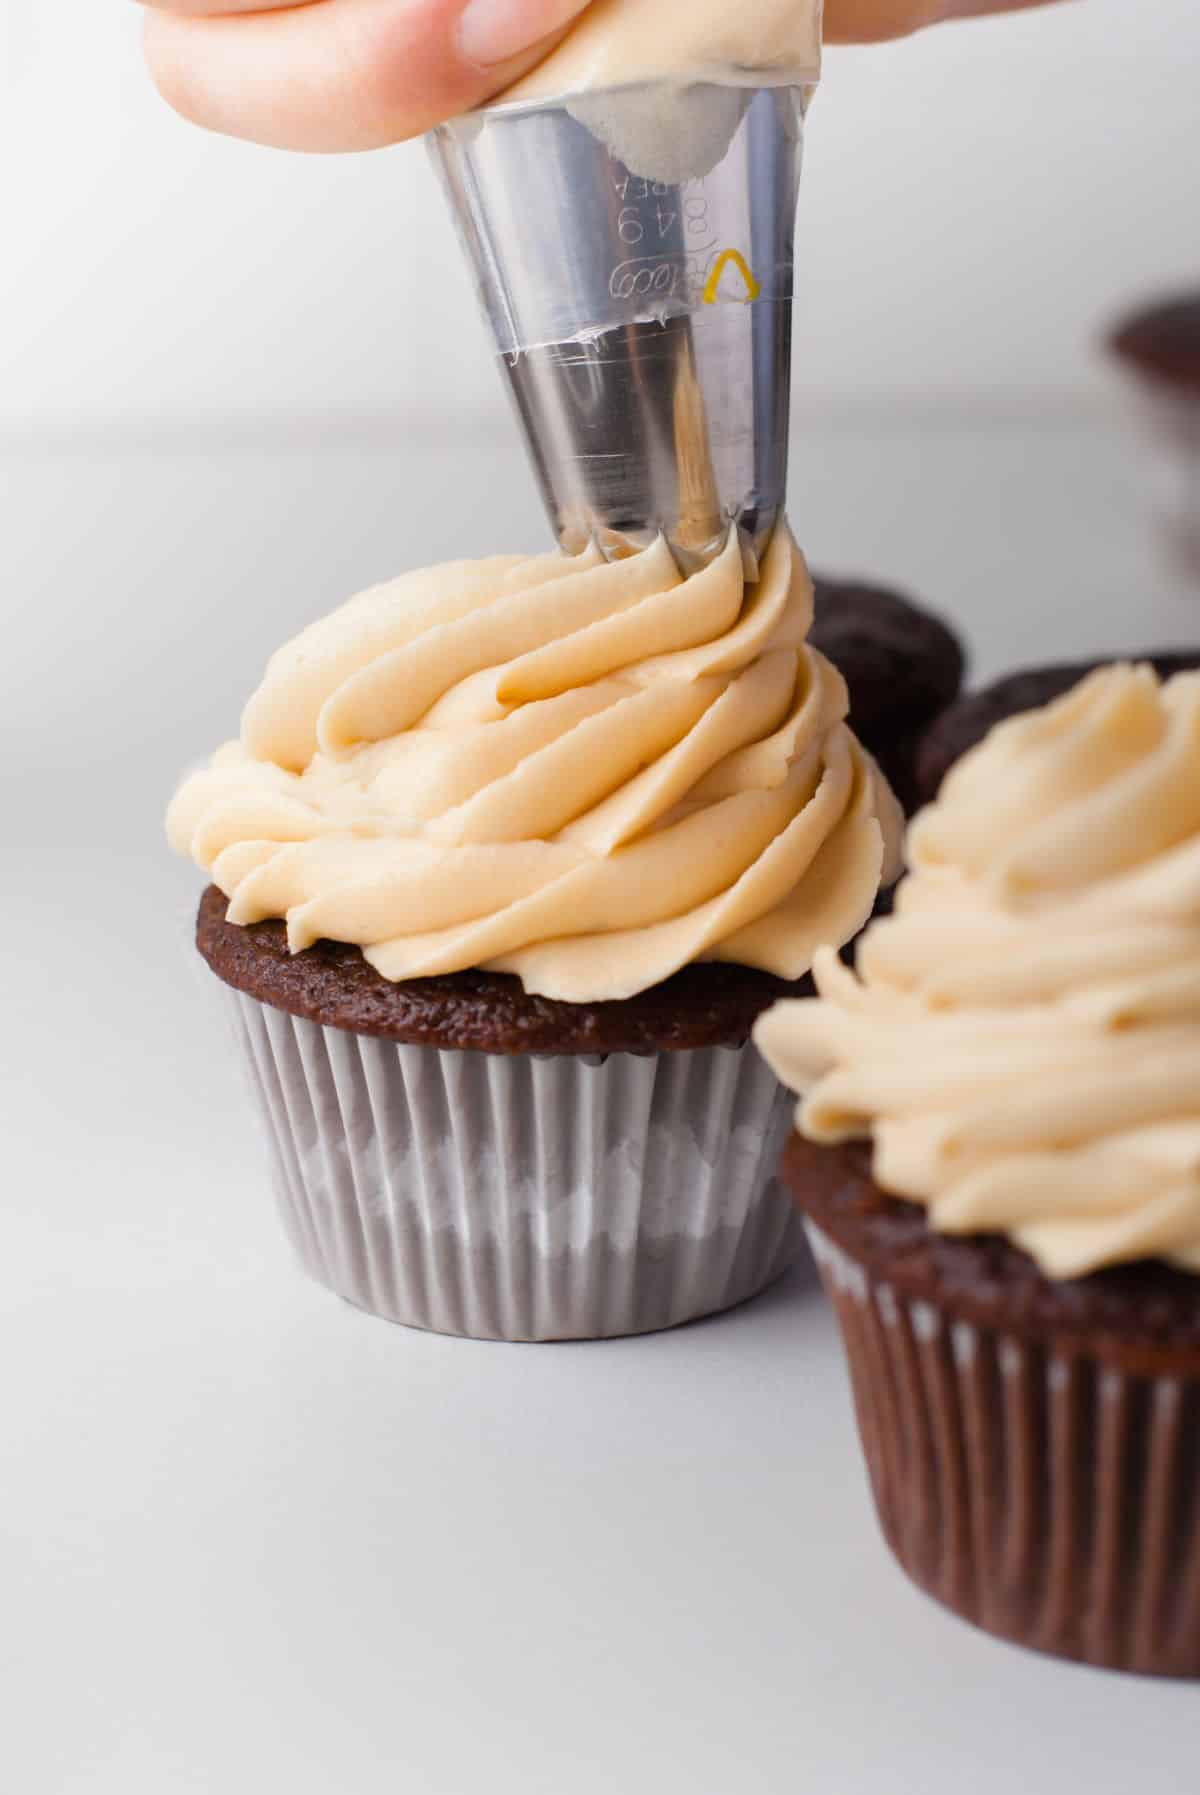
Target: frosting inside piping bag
[[627, 70], [617, 43], [587, 773]]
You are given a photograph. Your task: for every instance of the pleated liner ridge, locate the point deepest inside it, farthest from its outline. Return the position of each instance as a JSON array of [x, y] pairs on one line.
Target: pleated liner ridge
[[518, 1197], [1050, 1498]]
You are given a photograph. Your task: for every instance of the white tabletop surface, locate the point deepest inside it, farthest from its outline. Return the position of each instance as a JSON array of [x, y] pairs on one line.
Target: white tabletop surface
[[253, 1540]]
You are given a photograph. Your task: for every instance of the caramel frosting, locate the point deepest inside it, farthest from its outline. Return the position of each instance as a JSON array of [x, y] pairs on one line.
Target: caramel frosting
[[1021, 1040], [617, 43], [587, 773]]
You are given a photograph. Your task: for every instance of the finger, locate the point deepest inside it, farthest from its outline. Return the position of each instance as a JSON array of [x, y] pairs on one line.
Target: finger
[[870, 21], [971, 9], [347, 74], [213, 9], [863, 21]]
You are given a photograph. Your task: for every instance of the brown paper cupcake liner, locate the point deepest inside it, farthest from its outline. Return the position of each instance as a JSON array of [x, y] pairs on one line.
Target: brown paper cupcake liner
[[1046, 1493]]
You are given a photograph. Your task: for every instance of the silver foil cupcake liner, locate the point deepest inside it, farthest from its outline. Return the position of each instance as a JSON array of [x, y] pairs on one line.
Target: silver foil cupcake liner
[[520, 1197], [1049, 1495]]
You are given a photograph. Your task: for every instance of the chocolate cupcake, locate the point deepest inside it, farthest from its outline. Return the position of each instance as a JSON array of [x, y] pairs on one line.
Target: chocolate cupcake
[[998, 1155], [964, 723], [508, 857], [902, 666], [1160, 343], [1159, 348]]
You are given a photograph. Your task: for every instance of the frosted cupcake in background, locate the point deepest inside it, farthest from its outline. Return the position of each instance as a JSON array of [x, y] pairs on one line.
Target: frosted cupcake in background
[[903, 666], [998, 1152], [509, 856]]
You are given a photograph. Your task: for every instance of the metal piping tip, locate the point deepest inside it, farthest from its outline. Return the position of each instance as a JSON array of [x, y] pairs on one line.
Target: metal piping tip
[[633, 252]]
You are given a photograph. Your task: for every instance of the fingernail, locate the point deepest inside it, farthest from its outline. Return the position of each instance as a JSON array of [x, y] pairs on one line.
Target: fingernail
[[492, 31]]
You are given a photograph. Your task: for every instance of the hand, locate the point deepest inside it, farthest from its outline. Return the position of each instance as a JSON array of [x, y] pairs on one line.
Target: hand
[[342, 74], [357, 74]]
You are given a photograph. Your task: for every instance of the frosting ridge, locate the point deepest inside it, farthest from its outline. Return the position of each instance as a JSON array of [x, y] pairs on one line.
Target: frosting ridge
[[1021, 1039], [587, 773]]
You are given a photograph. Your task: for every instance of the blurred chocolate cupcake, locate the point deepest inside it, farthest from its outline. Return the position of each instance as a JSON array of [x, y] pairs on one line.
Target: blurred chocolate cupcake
[[506, 861], [998, 1153], [902, 666], [1158, 346]]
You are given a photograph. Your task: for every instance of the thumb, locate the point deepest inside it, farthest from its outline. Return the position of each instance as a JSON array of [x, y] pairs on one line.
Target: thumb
[[342, 74]]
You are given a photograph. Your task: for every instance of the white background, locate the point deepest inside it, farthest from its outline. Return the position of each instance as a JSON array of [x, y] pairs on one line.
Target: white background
[[976, 205], [249, 1540]]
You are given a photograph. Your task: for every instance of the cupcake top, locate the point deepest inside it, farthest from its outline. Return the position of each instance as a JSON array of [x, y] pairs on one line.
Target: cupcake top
[[962, 722], [1021, 1040], [586, 773]]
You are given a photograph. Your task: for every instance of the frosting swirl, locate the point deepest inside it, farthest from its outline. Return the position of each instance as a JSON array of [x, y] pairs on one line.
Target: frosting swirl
[[1022, 1038], [588, 773]]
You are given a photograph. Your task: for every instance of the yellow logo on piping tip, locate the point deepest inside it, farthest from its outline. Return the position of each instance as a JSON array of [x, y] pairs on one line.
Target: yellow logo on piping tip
[[719, 266]]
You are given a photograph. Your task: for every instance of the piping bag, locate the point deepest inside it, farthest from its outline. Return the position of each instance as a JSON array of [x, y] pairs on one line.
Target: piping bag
[[633, 251]]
